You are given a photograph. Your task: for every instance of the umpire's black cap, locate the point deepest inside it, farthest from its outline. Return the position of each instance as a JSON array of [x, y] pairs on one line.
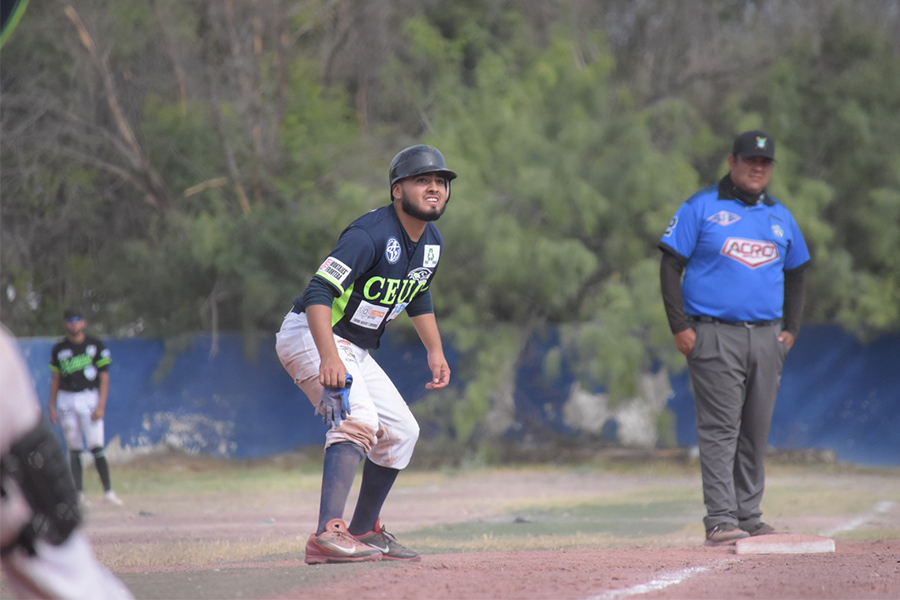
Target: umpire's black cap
[[754, 143]]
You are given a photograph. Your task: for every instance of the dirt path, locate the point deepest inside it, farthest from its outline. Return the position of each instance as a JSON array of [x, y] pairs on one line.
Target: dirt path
[[631, 535]]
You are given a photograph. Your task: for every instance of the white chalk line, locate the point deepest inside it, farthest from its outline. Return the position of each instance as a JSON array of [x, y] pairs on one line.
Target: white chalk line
[[676, 577], [663, 581], [879, 509]]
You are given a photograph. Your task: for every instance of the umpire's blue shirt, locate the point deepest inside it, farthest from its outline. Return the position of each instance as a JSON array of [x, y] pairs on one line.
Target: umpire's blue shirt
[[376, 271], [736, 255]]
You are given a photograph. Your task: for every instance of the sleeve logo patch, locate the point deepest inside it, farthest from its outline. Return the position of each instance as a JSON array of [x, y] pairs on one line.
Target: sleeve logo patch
[[334, 270], [751, 253], [392, 250], [432, 255], [724, 218], [671, 226], [368, 315]]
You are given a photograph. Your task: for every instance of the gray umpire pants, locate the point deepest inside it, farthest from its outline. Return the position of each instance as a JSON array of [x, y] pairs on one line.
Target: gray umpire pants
[[735, 374]]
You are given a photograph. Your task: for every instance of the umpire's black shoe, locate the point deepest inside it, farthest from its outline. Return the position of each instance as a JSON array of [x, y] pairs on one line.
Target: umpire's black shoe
[[724, 534], [760, 529]]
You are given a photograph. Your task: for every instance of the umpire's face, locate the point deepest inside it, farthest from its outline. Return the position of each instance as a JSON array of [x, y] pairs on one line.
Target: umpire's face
[[423, 197], [751, 173]]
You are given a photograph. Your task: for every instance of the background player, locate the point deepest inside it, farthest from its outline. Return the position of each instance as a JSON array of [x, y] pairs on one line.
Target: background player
[[44, 554], [79, 386], [743, 259], [383, 264]]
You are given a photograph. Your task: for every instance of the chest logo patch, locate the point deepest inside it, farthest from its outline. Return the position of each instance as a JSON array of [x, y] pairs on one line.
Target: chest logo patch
[[368, 315], [432, 255], [751, 253], [392, 250], [724, 218], [777, 230], [420, 274]]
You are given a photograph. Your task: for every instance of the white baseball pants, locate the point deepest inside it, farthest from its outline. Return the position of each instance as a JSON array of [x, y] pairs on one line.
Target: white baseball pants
[[379, 420], [75, 410]]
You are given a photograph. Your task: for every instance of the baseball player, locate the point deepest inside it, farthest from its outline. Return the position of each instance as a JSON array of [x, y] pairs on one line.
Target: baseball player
[[44, 554], [383, 264], [733, 277], [79, 386]]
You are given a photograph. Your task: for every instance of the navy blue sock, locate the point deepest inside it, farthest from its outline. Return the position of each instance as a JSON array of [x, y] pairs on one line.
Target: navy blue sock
[[75, 463], [341, 462], [102, 466], [376, 483]]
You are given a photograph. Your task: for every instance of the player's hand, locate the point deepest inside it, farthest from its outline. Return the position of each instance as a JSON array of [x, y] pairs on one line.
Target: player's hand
[[440, 372], [54, 418], [331, 372], [685, 340], [334, 405], [97, 414]]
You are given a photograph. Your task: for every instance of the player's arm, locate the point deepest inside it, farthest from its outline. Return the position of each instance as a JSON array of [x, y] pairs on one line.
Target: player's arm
[[102, 363], [426, 327], [54, 392], [331, 367], [103, 393]]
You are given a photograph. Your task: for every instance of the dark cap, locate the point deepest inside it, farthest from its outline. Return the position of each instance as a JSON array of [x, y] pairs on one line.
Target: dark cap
[[72, 313], [754, 143]]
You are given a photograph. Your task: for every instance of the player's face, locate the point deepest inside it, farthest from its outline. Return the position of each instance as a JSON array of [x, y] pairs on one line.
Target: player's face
[[75, 326], [423, 197], [752, 173]]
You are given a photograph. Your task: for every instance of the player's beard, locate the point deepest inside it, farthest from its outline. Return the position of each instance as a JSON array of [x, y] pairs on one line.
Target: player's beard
[[432, 214]]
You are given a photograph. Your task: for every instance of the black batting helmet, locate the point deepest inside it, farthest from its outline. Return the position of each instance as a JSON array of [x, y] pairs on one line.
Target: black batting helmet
[[419, 159]]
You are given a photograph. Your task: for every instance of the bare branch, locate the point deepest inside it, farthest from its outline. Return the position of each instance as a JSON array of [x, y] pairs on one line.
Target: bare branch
[[135, 153]]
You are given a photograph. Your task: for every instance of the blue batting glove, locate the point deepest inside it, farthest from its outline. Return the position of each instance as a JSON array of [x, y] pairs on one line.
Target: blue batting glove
[[335, 402]]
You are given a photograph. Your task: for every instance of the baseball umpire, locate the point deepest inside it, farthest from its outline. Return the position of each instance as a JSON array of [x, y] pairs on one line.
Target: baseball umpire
[[383, 263], [733, 278], [79, 386]]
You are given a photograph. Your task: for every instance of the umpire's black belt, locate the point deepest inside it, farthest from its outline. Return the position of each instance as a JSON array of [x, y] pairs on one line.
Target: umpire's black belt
[[747, 324]]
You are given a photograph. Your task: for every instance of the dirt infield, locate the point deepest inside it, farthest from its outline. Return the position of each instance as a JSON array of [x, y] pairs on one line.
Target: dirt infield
[[592, 531]]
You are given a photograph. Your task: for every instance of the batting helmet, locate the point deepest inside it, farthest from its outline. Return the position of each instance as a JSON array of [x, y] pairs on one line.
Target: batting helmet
[[419, 159]]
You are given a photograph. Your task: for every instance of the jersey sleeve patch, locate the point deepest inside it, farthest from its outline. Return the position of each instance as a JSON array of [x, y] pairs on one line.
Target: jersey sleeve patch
[[334, 271]]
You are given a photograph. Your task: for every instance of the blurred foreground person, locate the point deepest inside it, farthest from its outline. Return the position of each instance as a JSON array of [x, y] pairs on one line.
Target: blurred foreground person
[[43, 555]]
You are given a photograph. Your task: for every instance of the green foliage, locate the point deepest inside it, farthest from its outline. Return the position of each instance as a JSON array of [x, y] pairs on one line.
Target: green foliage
[[576, 137], [835, 110]]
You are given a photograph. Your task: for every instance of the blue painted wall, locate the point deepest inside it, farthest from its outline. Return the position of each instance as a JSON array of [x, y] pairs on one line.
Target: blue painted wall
[[836, 393], [223, 404]]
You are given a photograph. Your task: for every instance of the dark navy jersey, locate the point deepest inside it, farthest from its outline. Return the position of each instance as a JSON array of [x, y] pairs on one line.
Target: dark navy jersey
[[736, 255], [79, 365], [376, 271]]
